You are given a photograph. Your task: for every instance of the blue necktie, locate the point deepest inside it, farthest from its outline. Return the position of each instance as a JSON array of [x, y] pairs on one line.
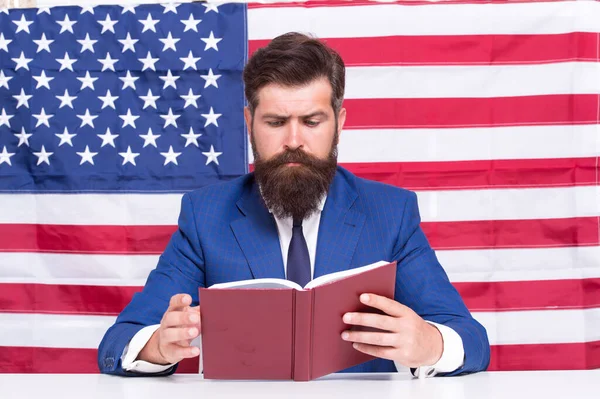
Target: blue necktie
[[298, 262]]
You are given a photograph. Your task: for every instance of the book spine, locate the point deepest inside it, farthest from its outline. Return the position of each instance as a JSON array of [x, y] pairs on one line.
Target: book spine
[[302, 336]]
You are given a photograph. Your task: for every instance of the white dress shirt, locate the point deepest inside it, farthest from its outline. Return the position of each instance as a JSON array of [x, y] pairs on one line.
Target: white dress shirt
[[453, 351]]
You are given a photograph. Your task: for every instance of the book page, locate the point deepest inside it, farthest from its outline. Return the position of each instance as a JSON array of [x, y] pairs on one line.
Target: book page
[[339, 275], [259, 283]]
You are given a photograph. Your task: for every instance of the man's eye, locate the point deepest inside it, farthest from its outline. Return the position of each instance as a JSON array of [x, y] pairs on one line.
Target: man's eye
[[312, 123], [275, 123]]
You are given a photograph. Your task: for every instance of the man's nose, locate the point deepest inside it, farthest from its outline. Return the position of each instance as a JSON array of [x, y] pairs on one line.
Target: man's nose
[[294, 138]]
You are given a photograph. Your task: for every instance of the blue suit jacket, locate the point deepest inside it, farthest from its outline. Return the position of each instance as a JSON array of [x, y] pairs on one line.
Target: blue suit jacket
[[225, 233]]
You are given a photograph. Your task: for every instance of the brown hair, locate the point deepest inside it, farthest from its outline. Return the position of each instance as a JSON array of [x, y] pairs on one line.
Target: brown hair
[[294, 59]]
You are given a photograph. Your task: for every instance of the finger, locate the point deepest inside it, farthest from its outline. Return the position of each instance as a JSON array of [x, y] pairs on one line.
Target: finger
[[382, 322], [374, 350], [372, 338], [172, 335], [174, 351], [178, 318], [389, 306], [179, 302]]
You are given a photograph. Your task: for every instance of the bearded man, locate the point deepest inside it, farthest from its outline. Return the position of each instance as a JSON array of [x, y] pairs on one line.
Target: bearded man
[[299, 216]]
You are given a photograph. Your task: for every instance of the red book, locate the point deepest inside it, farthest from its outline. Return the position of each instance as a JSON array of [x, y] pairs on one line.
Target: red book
[[273, 329]]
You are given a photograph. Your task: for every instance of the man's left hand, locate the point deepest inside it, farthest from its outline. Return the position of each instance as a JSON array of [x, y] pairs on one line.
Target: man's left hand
[[408, 339]]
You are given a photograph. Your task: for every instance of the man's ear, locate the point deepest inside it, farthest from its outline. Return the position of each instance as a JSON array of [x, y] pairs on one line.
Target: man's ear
[[248, 118], [341, 121]]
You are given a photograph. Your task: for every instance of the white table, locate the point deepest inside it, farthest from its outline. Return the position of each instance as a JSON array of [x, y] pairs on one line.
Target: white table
[[511, 385]]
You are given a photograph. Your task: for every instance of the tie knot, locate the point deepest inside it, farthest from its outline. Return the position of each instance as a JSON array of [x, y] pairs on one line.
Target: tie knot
[[297, 222]]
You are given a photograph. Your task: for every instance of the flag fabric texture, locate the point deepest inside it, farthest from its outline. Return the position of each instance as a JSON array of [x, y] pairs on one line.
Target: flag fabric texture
[[489, 111]]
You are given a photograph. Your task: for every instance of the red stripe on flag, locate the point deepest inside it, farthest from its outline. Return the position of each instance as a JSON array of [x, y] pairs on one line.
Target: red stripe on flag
[[566, 356], [478, 296], [572, 356], [17, 359], [536, 233], [560, 109], [461, 49], [559, 172], [442, 235], [84, 238]]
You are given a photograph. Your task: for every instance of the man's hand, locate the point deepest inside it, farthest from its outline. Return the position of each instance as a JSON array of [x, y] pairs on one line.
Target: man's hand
[[408, 339], [179, 326]]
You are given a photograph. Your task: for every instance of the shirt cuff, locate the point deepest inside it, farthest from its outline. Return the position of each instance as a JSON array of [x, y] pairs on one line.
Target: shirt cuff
[[453, 354], [134, 347]]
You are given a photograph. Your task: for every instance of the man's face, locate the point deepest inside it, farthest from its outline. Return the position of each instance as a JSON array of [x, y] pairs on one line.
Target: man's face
[[294, 134]]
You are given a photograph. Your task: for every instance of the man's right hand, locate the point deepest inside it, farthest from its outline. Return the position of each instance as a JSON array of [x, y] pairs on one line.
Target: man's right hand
[[179, 326]]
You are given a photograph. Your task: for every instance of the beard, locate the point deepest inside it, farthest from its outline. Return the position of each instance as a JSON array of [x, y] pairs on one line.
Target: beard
[[294, 191]]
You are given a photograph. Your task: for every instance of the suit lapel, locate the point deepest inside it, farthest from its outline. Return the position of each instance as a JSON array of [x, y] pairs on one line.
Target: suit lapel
[[339, 229], [256, 233]]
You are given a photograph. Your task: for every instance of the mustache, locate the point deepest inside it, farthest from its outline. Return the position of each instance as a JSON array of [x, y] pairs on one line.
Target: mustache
[[294, 156]]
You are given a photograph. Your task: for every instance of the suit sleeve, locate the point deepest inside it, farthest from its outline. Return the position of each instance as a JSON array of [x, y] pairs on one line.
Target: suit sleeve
[[180, 270], [422, 285]]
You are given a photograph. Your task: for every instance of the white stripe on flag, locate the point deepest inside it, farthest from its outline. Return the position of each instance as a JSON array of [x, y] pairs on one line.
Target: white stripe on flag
[[472, 81], [521, 327], [436, 19], [450, 205]]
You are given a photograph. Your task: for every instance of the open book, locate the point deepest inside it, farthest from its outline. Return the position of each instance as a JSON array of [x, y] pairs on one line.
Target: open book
[[276, 329]]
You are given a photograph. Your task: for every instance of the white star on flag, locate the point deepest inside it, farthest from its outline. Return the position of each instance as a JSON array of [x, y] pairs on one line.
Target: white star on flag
[[130, 9], [128, 81], [108, 100], [211, 156], [43, 156], [108, 24], [87, 119], [87, 156], [43, 10], [170, 118], [149, 138], [189, 61], [129, 119], [211, 41], [169, 80], [23, 137], [190, 98], [5, 156], [66, 100], [191, 23], [4, 79], [5, 118], [22, 25], [85, 9], [87, 81], [42, 118], [129, 156], [169, 43], [66, 25], [43, 80], [4, 42], [149, 23], [170, 7], [211, 7], [108, 138], [66, 62], [211, 118], [65, 137], [22, 62], [148, 62], [108, 63], [22, 99], [211, 79], [128, 43], [88, 44], [43, 44], [191, 138], [149, 100], [170, 156]]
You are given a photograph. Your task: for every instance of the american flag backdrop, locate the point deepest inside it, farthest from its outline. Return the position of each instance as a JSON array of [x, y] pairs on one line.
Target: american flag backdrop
[[490, 111]]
